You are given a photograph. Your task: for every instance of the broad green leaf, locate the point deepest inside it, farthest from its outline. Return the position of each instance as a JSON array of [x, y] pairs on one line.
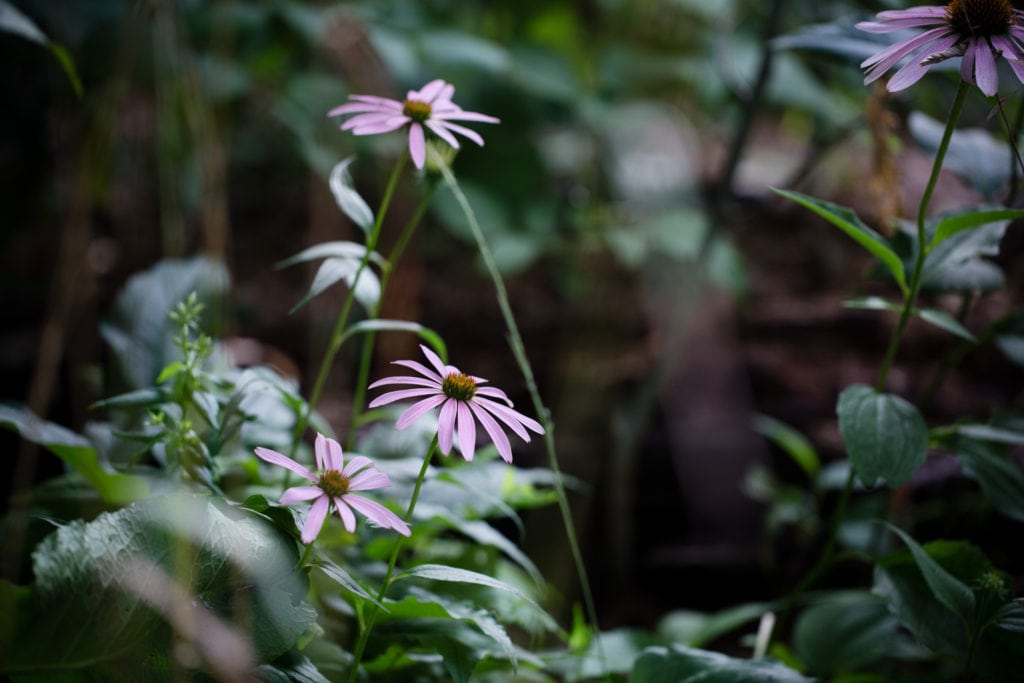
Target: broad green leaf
[[792, 442], [958, 263], [483, 533], [78, 453], [695, 629], [847, 221], [340, 249], [998, 475], [885, 436], [678, 664], [440, 572], [291, 667], [844, 633], [950, 226], [332, 270], [347, 198], [992, 433], [379, 325], [946, 588], [112, 596], [345, 580]]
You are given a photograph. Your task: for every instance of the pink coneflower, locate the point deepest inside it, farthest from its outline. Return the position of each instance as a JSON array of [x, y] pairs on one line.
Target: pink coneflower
[[335, 483], [463, 401], [979, 31], [430, 106]]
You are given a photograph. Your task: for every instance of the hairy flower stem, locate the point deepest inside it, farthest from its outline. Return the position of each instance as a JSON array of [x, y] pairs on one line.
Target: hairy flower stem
[[364, 633], [366, 355], [337, 335], [910, 296], [519, 351]]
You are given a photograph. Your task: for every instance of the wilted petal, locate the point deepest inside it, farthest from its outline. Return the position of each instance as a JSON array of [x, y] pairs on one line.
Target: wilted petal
[[494, 431]]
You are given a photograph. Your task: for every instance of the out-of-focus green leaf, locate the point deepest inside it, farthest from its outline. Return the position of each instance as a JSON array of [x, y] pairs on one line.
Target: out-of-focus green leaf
[[348, 199], [979, 159], [956, 264], [885, 436], [999, 477], [12, 20], [139, 330], [439, 572], [678, 664], [112, 596], [78, 453], [792, 442], [847, 221], [944, 321], [946, 588], [695, 629], [344, 579], [947, 227], [332, 270], [844, 633]]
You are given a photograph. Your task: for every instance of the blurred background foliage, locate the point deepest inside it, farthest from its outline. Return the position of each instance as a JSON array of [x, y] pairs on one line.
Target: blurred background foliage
[[666, 296]]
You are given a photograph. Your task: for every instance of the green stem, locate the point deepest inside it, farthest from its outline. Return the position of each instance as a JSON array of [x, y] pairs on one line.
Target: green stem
[[910, 296], [519, 351], [339, 326], [364, 634], [366, 355]]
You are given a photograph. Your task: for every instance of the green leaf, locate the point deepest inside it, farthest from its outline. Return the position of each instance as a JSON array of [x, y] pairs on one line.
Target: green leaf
[[994, 434], [944, 321], [347, 198], [333, 270], [696, 629], [678, 664], [112, 597], [14, 21], [340, 249], [345, 580], [885, 436], [999, 477], [792, 442], [946, 588], [951, 225], [440, 572], [78, 453], [844, 633], [958, 264], [847, 221], [979, 159], [378, 325]]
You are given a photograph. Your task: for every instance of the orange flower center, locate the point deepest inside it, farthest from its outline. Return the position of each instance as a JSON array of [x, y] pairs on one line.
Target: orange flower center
[[333, 483], [980, 18], [459, 386], [416, 110]]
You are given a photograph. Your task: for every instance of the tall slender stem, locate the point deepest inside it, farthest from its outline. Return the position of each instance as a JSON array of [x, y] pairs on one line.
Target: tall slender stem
[[366, 355], [364, 634], [519, 351], [910, 297], [337, 334]]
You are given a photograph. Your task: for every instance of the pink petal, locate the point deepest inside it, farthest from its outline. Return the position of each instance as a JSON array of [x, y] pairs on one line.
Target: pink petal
[[378, 514], [276, 458], [417, 145], [328, 453], [494, 431], [493, 392], [460, 115], [383, 102], [985, 72], [446, 425], [439, 131], [359, 108], [369, 479], [347, 518], [428, 92], [466, 132], [417, 410], [891, 55], [513, 418], [315, 519], [297, 493], [417, 381], [467, 431], [422, 369], [435, 360], [401, 395], [378, 127], [355, 464]]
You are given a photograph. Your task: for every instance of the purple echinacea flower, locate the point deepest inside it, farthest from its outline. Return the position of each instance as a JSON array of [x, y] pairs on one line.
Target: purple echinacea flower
[[978, 31], [336, 483], [430, 107], [463, 402]]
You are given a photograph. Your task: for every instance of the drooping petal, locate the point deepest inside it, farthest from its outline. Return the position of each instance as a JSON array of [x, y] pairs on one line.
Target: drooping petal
[[446, 425], [417, 145], [377, 513], [513, 418], [417, 410], [890, 56], [493, 392], [986, 75], [439, 130], [467, 431], [276, 458], [347, 517], [494, 431], [463, 131], [298, 493], [315, 519]]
